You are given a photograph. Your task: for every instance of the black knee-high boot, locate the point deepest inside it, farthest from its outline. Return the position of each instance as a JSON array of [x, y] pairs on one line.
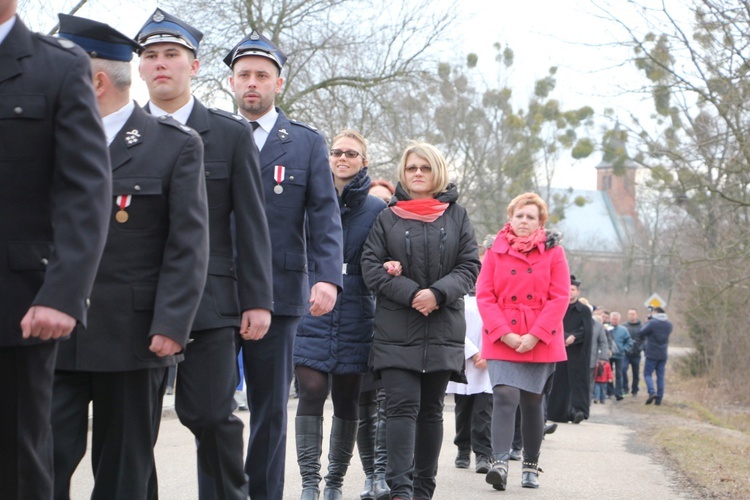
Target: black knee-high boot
[[379, 486], [343, 435], [366, 446], [309, 435]]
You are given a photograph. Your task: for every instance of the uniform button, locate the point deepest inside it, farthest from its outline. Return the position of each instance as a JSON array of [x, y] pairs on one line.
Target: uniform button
[[513, 322], [512, 271], [88, 303], [528, 270], [528, 296], [137, 187], [44, 261], [208, 173], [163, 117], [291, 177], [18, 110], [513, 298]]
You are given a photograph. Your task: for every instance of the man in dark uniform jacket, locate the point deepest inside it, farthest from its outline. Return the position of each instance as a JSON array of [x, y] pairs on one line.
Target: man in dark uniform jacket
[[147, 288], [570, 398], [232, 299], [55, 194], [303, 217]]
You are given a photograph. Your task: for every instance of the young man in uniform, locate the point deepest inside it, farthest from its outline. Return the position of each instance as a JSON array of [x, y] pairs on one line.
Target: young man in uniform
[[239, 292]]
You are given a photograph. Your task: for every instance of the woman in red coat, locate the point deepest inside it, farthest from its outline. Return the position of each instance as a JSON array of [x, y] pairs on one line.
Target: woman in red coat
[[522, 293]]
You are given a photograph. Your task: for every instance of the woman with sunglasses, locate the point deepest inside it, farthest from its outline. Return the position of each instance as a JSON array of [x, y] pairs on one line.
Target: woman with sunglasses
[[420, 259], [337, 343]]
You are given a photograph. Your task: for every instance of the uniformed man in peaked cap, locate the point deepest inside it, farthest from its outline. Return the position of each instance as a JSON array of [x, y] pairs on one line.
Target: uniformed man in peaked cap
[[237, 297], [147, 288], [305, 224], [55, 196]]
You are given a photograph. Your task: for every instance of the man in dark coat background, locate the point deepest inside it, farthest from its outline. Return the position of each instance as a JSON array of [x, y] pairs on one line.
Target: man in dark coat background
[[55, 197], [239, 292], [571, 396], [147, 288], [303, 217]]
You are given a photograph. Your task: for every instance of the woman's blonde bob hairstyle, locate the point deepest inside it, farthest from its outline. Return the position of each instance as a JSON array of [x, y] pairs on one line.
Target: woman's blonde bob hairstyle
[[434, 157], [525, 199]]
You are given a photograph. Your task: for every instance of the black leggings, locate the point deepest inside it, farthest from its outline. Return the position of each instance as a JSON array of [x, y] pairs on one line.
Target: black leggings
[[313, 390], [505, 401]]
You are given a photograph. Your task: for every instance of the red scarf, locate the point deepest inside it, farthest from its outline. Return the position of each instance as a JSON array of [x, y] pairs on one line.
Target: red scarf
[[523, 244], [423, 209]]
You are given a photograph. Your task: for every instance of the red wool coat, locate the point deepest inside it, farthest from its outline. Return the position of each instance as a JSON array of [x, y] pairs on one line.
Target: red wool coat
[[523, 294]]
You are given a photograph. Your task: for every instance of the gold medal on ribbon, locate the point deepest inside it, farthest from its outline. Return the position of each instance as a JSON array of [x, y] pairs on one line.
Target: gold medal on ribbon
[[121, 216]]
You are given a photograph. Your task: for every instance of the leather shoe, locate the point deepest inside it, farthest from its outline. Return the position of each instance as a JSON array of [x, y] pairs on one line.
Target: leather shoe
[[515, 454], [483, 464], [550, 429], [651, 398], [578, 417], [463, 460]]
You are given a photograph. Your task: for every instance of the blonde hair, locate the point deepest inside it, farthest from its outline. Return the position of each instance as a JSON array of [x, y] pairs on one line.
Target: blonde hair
[[353, 134], [525, 199], [434, 157]]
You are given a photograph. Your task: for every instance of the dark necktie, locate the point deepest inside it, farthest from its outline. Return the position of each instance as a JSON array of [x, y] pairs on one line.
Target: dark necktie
[[255, 125]]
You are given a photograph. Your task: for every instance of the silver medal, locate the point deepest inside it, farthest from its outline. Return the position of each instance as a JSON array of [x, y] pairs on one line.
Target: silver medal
[[278, 189]]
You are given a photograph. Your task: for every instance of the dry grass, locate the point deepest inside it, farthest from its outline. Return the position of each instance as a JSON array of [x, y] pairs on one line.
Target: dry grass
[[703, 432]]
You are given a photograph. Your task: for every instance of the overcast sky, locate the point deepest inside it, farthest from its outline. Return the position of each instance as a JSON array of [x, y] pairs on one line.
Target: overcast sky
[[569, 34]]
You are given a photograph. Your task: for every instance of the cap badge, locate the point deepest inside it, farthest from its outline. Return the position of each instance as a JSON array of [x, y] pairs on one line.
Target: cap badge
[[254, 36], [158, 16]]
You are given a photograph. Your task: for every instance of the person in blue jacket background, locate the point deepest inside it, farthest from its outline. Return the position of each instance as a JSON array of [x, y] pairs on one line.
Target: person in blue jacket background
[[337, 343]]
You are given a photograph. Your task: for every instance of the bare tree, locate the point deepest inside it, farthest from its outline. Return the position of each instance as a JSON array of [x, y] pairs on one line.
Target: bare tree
[[696, 146], [341, 52]]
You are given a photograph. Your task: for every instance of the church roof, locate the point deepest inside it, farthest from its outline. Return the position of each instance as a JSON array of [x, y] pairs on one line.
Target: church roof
[[594, 227]]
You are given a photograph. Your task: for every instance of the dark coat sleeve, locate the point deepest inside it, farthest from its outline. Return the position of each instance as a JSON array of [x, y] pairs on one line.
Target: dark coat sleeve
[[81, 194], [399, 289], [325, 236], [185, 264], [253, 241]]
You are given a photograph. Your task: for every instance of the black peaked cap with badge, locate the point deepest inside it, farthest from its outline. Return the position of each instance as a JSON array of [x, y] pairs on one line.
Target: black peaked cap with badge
[[98, 39], [163, 27], [256, 44]]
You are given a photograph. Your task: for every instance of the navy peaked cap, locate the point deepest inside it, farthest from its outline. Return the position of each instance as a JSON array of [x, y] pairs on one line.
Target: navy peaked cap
[[256, 44], [163, 27], [98, 39]]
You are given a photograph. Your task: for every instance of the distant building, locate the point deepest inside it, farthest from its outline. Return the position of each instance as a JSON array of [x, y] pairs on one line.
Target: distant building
[[607, 221]]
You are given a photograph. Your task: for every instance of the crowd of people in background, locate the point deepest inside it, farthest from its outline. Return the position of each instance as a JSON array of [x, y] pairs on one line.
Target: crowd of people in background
[[219, 235]]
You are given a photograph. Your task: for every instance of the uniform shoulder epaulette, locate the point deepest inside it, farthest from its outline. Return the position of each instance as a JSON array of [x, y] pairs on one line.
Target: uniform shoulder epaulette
[[166, 120], [59, 43], [303, 124], [226, 114]]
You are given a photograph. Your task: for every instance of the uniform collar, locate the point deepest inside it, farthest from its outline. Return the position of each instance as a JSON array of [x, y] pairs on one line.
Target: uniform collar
[[114, 122], [6, 27], [181, 115]]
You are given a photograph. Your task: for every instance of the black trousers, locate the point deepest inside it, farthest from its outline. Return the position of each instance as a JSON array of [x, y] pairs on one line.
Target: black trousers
[[25, 435], [414, 431], [473, 418], [127, 413], [204, 401], [268, 373]]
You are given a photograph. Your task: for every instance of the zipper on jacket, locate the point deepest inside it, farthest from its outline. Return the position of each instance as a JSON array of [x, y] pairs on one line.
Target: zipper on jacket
[[441, 251], [426, 342], [407, 237]]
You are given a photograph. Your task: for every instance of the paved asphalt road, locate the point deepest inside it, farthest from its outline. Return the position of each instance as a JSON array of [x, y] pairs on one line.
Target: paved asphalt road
[[596, 459]]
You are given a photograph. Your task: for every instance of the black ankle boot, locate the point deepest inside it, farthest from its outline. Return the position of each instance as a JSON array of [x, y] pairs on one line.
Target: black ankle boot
[[498, 474], [530, 472]]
